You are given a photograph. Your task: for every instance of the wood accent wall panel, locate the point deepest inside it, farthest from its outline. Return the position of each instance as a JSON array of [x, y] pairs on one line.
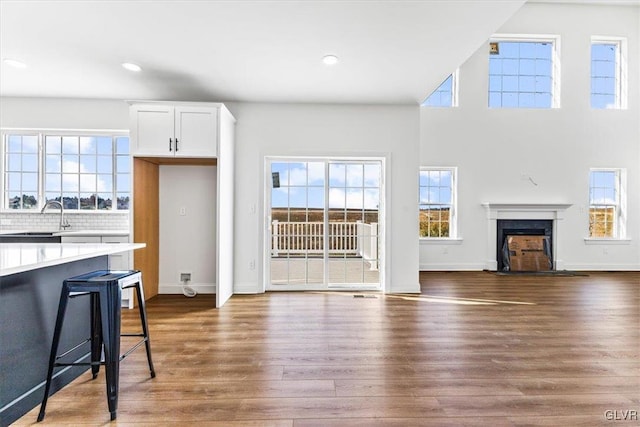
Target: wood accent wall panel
[[146, 223]]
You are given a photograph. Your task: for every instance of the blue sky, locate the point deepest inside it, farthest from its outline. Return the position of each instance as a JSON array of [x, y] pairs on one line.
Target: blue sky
[[603, 187], [520, 75], [435, 187], [603, 75], [350, 185]]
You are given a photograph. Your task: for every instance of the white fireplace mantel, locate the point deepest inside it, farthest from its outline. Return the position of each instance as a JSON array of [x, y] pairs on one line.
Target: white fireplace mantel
[[526, 210], [496, 211]]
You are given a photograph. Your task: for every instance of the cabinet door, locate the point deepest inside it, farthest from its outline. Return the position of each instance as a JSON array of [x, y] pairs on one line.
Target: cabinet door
[[196, 130], [119, 261], [152, 130], [80, 239]]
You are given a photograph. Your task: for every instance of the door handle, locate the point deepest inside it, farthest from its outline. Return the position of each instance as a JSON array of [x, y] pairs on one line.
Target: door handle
[[170, 146], [176, 144]]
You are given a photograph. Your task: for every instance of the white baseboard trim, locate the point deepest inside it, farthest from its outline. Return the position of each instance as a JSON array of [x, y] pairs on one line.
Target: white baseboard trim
[[404, 289], [559, 266], [453, 267], [172, 288], [602, 267], [247, 288], [252, 288]]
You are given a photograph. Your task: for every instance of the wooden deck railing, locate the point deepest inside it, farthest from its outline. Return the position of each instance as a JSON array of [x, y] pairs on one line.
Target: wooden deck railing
[[344, 238]]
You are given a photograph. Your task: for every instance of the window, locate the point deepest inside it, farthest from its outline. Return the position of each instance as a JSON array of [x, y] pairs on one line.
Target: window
[[83, 172], [606, 211], [437, 202], [607, 82], [446, 95], [523, 73], [21, 176]]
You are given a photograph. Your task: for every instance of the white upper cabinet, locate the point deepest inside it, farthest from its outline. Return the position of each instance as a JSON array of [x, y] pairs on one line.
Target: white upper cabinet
[[174, 130]]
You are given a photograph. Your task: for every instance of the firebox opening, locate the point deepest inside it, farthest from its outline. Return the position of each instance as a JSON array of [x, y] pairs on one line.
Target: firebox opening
[[524, 232]]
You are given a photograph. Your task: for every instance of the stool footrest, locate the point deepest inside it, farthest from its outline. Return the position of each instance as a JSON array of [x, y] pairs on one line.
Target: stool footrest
[[60, 356], [122, 356], [80, 364], [131, 350]]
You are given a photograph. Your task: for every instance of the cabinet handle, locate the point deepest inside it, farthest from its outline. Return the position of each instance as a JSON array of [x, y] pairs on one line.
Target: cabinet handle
[[176, 144], [170, 147]]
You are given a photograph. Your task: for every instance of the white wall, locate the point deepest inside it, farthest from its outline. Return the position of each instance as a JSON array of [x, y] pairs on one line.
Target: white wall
[[493, 148], [64, 113], [327, 130], [187, 242]]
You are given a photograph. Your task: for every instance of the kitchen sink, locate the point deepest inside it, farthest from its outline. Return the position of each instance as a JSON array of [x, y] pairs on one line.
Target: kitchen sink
[[31, 237], [32, 233]]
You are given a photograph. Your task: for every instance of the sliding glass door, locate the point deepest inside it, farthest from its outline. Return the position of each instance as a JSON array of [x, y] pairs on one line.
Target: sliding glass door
[[323, 224]]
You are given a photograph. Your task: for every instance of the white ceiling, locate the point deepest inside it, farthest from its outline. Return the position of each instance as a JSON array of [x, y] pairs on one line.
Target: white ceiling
[[259, 51]]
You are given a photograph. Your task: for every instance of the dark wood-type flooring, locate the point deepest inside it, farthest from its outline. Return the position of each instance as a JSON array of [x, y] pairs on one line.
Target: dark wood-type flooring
[[473, 349]]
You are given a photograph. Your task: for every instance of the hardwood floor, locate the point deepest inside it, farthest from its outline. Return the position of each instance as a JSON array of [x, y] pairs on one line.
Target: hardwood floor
[[473, 349]]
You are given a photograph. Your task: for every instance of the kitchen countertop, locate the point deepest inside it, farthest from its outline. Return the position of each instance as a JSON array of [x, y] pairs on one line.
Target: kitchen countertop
[[72, 232], [20, 257]]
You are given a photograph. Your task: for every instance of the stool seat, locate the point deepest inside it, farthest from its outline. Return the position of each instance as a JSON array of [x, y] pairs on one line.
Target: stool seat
[[104, 287], [103, 276]]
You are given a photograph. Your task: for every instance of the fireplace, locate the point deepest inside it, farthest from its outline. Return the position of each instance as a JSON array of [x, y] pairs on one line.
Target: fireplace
[[521, 227], [542, 219]]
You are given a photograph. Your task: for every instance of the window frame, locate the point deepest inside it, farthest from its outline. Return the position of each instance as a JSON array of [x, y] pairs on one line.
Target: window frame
[[455, 79], [619, 222], [621, 75], [4, 205], [41, 134], [555, 65], [453, 216]]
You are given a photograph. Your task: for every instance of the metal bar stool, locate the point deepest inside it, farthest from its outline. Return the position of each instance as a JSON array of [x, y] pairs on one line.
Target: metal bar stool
[[104, 288]]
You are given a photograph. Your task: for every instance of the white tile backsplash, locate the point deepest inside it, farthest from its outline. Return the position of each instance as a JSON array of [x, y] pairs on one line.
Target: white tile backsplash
[[50, 221]]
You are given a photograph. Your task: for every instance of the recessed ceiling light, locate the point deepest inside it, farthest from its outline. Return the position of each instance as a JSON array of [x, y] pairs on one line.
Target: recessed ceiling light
[[131, 66], [14, 63], [330, 59]]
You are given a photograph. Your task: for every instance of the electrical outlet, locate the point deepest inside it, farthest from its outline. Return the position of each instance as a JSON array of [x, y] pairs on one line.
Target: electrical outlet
[[183, 211], [185, 277], [252, 265]]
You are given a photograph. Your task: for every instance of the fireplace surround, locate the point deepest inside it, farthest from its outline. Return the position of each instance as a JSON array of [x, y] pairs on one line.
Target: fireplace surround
[[533, 214]]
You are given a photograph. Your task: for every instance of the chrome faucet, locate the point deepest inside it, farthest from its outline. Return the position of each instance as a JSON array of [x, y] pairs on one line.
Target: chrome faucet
[[64, 224]]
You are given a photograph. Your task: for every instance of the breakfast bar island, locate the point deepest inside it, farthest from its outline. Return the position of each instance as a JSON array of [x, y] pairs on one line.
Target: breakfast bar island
[[31, 276]]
